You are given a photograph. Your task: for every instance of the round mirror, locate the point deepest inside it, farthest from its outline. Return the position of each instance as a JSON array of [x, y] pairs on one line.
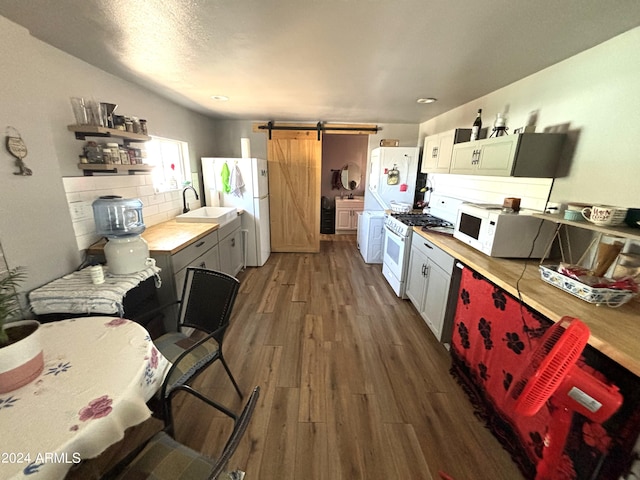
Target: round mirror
[[350, 176]]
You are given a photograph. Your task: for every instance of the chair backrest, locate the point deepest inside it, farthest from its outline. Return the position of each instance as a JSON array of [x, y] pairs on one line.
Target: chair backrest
[[238, 431], [207, 299]]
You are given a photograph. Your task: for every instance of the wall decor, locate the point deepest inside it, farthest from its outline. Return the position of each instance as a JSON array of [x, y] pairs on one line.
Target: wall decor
[[18, 149]]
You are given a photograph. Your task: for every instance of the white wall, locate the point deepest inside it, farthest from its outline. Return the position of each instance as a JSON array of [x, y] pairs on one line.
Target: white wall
[[37, 80], [157, 207], [595, 96]]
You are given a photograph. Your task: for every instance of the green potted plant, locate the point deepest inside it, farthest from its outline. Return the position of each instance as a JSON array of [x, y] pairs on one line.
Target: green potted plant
[[21, 358]]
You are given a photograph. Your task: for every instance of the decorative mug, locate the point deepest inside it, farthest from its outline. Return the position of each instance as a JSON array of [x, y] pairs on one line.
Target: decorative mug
[[604, 215]]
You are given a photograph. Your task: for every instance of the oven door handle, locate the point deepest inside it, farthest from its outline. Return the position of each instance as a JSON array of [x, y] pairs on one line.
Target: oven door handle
[[394, 233]]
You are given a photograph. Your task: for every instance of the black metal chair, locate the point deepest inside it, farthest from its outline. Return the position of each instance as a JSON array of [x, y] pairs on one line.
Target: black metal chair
[[164, 458], [204, 315]]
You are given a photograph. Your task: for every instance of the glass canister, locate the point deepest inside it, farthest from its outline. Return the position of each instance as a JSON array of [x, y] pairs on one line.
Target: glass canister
[[117, 217]]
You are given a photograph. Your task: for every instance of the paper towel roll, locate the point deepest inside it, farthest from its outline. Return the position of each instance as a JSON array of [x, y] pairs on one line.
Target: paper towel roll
[[245, 147]]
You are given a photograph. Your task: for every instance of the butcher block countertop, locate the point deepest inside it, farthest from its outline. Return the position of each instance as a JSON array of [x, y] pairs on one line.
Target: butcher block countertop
[[168, 237], [614, 331]]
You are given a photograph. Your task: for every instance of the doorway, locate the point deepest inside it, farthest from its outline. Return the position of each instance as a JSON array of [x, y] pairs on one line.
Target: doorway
[[340, 151]]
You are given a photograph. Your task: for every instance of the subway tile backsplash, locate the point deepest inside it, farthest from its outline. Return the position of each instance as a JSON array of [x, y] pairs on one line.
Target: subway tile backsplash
[[82, 191]]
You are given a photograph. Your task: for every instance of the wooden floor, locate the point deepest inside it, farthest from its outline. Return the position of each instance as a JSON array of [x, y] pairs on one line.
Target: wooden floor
[[354, 385]]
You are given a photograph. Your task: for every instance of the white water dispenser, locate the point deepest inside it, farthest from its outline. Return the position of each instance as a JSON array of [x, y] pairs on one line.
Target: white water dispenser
[[120, 220]]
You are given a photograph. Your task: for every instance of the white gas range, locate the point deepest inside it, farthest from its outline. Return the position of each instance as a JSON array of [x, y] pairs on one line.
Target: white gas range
[[397, 240]]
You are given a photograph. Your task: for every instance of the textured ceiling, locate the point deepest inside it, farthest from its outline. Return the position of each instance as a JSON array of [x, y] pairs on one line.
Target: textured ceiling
[[329, 60]]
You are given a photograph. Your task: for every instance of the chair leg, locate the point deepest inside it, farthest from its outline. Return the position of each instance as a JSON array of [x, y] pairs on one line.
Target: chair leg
[[233, 380]]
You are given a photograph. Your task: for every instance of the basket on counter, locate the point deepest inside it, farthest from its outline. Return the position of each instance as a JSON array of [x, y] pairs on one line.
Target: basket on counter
[[399, 207], [608, 296]]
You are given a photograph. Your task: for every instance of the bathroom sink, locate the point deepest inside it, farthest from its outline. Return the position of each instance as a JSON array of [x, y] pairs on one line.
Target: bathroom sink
[[219, 215], [355, 198]]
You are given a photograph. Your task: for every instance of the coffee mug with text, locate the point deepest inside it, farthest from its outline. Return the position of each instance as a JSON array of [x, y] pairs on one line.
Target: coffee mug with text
[[604, 215]]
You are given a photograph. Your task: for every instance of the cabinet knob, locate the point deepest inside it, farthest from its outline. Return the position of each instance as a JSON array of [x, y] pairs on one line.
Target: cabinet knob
[[199, 244], [233, 242]]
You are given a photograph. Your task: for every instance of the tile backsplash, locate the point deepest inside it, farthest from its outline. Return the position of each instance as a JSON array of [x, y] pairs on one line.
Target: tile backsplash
[[82, 191]]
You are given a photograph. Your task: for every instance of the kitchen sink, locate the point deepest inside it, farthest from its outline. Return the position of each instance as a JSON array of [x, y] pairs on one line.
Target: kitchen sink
[[219, 215]]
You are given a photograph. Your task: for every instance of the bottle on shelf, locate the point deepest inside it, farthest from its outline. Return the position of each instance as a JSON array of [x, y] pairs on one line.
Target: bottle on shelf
[[477, 126]]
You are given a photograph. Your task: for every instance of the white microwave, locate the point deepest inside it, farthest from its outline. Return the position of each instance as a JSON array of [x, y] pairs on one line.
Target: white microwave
[[500, 234]]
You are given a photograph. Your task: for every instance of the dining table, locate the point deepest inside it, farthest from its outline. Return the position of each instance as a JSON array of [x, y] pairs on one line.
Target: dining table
[[99, 372]]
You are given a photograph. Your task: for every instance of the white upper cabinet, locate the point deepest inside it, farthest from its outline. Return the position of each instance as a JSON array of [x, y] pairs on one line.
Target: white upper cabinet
[[436, 155], [523, 155]]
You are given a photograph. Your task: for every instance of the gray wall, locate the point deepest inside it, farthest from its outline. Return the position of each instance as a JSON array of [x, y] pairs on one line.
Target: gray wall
[[595, 97], [37, 81]]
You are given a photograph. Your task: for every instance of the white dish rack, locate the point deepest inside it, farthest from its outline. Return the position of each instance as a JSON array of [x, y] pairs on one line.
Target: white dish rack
[[607, 296], [399, 207]]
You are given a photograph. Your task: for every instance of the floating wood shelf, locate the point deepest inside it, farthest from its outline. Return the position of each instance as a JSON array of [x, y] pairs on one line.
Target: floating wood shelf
[[620, 231], [119, 169], [83, 131]]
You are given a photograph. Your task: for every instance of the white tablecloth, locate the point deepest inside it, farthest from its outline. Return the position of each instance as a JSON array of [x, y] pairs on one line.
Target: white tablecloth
[[99, 373]]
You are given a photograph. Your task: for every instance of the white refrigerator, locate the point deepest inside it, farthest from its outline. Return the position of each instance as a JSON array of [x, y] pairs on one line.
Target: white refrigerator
[[392, 175], [253, 198]]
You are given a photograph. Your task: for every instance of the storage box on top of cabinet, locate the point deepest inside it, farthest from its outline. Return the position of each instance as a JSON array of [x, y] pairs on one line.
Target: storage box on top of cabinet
[[521, 155]]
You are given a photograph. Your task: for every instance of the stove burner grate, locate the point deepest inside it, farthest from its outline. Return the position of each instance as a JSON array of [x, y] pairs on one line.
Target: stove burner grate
[[421, 220]]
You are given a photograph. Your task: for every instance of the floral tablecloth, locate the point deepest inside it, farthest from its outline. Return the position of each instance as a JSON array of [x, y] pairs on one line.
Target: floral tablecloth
[[99, 372]]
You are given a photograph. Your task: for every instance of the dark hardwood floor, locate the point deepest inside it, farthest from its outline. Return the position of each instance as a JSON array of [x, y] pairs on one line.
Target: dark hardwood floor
[[354, 385]]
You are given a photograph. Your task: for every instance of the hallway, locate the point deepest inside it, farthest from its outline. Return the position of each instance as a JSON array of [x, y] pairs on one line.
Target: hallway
[[354, 385]]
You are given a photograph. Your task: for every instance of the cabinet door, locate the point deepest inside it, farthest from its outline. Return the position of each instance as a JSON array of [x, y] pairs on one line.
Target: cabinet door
[[210, 259], [497, 156], [231, 251], [354, 220], [430, 155], [355, 211], [435, 300], [445, 151], [343, 219], [415, 278], [464, 159]]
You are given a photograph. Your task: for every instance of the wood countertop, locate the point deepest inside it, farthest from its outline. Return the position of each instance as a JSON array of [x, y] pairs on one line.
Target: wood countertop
[[614, 331], [168, 237]]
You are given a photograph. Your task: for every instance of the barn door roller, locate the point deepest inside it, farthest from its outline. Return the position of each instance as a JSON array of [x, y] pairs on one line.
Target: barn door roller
[[319, 127]]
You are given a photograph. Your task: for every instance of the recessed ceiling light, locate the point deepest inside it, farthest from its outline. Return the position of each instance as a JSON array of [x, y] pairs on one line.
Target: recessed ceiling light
[[426, 100], [220, 98]]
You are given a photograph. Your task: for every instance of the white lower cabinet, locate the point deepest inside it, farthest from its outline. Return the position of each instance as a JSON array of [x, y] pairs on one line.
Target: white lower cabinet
[[347, 214], [203, 252], [210, 259], [429, 283], [231, 247]]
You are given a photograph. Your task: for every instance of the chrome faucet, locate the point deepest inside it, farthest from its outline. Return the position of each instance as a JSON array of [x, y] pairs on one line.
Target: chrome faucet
[[185, 205]]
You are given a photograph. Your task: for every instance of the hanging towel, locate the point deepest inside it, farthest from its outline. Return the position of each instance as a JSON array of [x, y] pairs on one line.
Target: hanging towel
[[226, 188], [335, 180], [236, 184]]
